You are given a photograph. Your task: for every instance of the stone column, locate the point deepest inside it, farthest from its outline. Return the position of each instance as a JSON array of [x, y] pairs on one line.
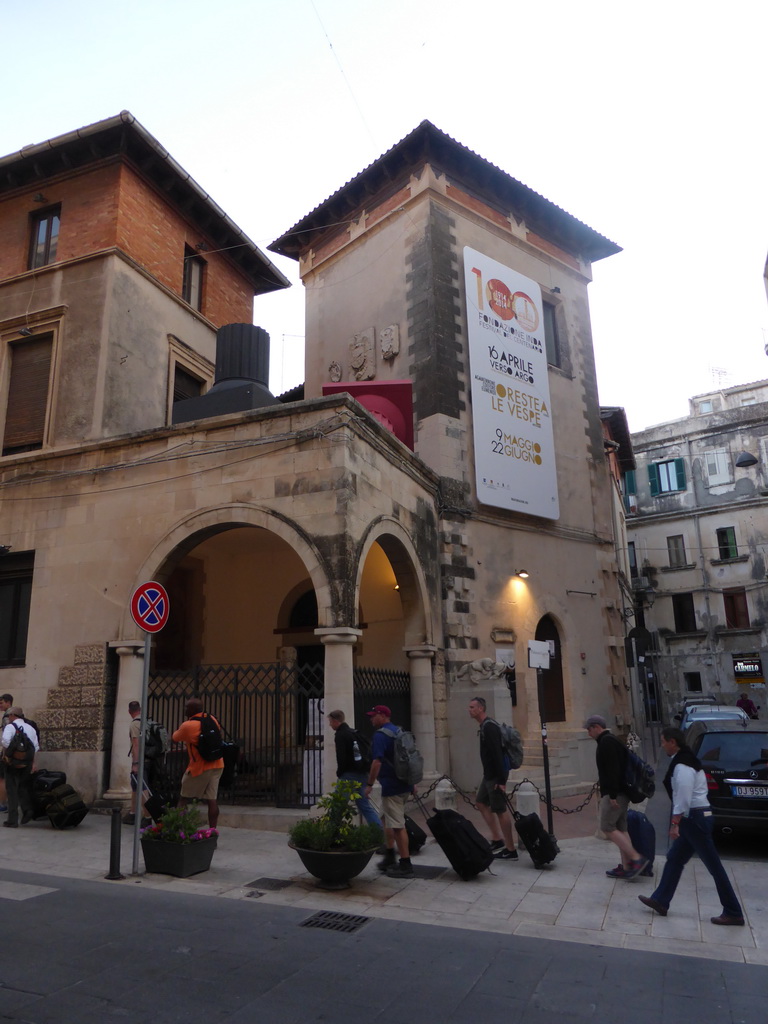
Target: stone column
[[129, 682], [339, 687], [423, 704]]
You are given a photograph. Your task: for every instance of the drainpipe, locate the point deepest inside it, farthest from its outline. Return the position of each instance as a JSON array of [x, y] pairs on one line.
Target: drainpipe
[[704, 570]]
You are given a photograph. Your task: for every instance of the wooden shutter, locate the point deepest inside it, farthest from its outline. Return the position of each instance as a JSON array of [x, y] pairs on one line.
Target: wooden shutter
[[653, 479], [680, 471], [27, 395]]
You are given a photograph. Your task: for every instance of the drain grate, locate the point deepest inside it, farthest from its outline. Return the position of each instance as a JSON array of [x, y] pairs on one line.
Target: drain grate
[[268, 884], [333, 921]]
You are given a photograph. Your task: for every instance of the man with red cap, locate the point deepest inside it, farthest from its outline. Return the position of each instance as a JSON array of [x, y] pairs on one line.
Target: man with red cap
[[394, 793]]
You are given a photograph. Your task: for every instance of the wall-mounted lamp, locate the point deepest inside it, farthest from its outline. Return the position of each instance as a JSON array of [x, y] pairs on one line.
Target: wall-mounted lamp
[[523, 574], [745, 459], [396, 586], [39, 198], [4, 549], [25, 332]]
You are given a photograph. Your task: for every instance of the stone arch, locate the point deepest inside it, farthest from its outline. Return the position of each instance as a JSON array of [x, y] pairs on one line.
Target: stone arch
[[553, 687], [398, 547], [196, 527]]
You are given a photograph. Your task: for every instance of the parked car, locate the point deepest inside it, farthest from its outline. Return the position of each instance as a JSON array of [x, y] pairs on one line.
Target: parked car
[[735, 759], [712, 712]]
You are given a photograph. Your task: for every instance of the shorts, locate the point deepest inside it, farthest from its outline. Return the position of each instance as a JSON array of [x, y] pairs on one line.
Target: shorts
[[490, 796], [393, 810], [201, 787], [614, 819]]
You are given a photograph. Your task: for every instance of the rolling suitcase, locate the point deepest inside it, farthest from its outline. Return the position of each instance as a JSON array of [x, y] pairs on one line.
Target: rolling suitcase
[[416, 836], [540, 844], [642, 835], [65, 809], [43, 784], [467, 851]]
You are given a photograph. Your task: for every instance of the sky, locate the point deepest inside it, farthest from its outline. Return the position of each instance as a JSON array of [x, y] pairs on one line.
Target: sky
[[646, 121]]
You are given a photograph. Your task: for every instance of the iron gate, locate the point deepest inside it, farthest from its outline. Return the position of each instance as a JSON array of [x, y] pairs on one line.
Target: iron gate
[[272, 712], [275, 716]]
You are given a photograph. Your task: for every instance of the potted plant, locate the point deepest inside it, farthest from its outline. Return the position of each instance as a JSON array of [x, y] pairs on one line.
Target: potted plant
[[178, 844], [332, 847]]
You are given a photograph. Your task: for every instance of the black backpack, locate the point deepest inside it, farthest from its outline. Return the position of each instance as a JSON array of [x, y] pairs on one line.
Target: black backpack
[[209, 744], [361, 745], [639, 781], [20, 752]]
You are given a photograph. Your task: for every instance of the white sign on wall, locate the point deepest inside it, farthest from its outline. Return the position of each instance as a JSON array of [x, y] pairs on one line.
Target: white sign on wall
[[511, 410]]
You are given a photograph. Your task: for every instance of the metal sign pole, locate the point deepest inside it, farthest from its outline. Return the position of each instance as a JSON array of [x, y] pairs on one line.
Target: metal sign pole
[[544, 748], [142, 744]]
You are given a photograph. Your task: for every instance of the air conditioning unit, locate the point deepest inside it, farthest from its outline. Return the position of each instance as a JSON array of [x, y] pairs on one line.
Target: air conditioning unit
[[641, 583]]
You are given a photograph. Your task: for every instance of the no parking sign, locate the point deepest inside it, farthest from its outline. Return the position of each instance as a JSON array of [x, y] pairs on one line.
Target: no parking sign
[[150, 607]]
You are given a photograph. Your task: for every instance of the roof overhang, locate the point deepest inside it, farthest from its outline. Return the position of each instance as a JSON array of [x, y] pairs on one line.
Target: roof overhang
[[125, 138], [475, 175]]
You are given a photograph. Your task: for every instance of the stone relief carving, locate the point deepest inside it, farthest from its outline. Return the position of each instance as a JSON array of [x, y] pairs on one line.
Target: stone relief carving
[[481, 670], [334, 372], [390, 342], [362, 355]]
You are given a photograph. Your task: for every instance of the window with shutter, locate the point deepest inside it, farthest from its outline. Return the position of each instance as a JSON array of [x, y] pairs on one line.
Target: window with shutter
[[735, 607], [668, 476], [27, 395]]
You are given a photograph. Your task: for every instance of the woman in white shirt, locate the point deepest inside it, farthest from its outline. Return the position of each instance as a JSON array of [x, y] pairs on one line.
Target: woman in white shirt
[[691, 831]]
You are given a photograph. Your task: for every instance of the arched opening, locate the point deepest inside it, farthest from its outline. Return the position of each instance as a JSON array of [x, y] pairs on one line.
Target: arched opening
[[552, 678]]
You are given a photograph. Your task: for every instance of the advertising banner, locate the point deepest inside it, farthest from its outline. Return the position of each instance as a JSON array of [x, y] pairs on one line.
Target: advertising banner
[[511, 411]]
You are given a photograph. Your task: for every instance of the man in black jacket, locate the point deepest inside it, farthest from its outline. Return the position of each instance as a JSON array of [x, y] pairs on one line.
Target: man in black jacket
[[611, 758], [351, 764], [491, 794]]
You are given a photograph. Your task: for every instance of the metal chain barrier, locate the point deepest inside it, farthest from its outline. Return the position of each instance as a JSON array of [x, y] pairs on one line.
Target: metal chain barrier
[[470, 801]]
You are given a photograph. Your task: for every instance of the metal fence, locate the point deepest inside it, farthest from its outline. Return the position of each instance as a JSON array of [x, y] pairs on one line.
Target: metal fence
[[274, 714]]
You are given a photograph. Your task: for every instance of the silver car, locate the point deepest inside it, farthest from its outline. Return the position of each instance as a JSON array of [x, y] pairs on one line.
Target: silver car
[[712, 713]]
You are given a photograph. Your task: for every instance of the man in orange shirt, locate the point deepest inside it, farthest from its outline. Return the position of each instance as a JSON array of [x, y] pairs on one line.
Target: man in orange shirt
[[201, 779]]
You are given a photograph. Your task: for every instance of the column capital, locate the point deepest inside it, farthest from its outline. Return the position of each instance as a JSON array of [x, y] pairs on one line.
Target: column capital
[[421, 651], [125, 648], [338, 635]]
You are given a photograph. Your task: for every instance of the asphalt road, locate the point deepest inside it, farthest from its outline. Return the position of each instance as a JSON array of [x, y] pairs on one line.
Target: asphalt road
[[96, 952]]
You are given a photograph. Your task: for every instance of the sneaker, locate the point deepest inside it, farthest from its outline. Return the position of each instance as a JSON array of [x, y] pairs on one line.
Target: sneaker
[[506, 854], [635, 867], [617, 872], [497, 844], [129, 819], [10, 824], [3, 808], [387, 861], [401, 870]]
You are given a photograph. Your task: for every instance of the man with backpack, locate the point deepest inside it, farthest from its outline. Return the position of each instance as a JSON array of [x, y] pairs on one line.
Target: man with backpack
[[611, 759], [202, 735], [353, 762], [491, 795], [19, 744], [394, 792]]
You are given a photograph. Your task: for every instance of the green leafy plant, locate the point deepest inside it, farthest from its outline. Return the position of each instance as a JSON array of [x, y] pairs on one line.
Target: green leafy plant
[[179, 825], [335, 828]]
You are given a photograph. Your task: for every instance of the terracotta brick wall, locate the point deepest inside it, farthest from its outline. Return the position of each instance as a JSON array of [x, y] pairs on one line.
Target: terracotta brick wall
[[112, 206], [153, 234], [89, 217]]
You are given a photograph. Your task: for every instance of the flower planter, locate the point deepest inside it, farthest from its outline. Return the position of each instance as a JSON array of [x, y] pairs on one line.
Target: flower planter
[[334, 868], [179, 859]]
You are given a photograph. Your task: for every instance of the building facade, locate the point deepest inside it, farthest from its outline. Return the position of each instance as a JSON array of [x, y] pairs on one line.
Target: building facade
[[340, 546], [698, 528]]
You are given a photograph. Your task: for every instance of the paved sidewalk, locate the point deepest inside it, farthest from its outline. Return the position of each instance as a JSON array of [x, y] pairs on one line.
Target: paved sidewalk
[[572, 900]]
